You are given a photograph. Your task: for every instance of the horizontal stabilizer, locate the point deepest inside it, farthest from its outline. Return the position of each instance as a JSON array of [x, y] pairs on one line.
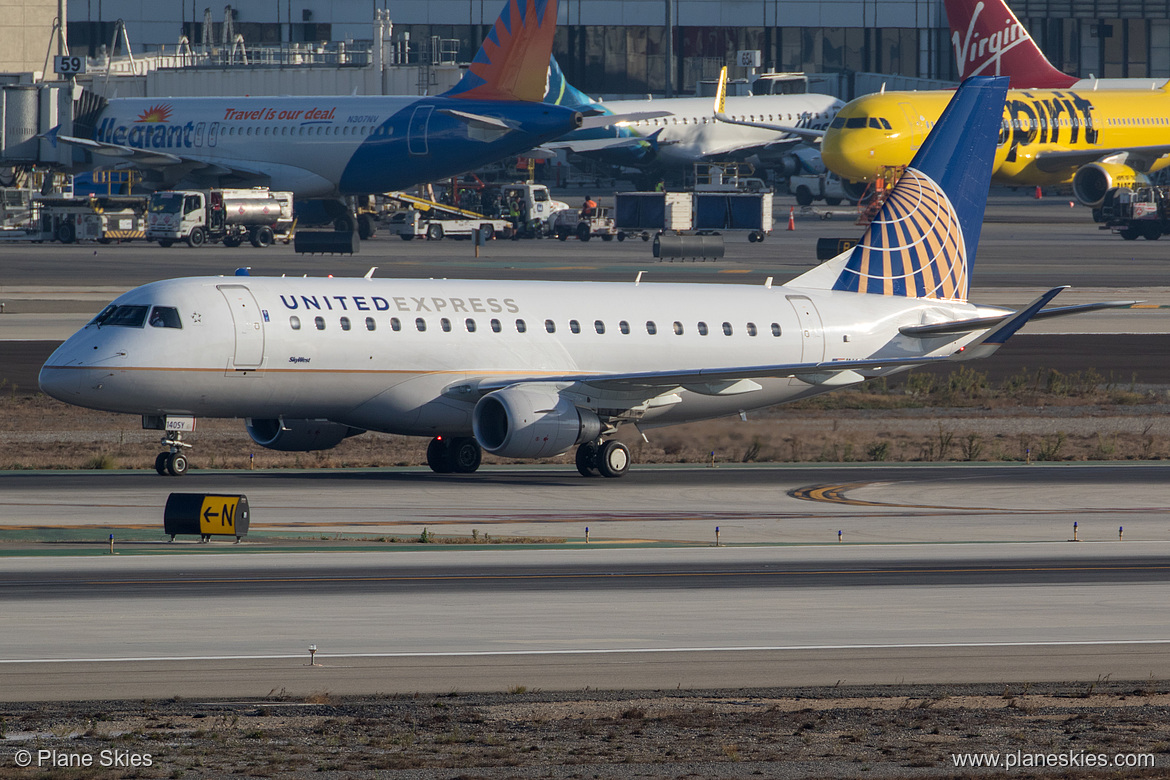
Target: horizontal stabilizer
[[979, 323], [989, 342]]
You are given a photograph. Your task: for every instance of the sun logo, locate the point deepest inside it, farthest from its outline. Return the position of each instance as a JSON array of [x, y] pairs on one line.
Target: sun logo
[[156, 113]]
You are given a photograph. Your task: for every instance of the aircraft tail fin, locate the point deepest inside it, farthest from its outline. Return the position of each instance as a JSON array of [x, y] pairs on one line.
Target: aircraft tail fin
[[990, 41], [512, 63], [922, 242], [560, 92]]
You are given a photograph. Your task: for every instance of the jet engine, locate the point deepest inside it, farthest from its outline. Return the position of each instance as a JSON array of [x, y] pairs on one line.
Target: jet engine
[[299, 435], [531, 421], [1092, 181], [854, 190]]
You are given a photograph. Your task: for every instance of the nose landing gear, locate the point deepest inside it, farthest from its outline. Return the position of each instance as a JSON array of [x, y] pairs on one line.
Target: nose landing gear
[[173, 462]]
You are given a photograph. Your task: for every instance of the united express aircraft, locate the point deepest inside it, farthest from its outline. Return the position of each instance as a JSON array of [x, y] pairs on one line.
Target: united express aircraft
[[533, 369], [328, 147], [1093, 140]]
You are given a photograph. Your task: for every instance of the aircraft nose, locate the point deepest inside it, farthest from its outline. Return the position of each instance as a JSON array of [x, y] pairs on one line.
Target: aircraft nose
[[57, 379], [847, 155]]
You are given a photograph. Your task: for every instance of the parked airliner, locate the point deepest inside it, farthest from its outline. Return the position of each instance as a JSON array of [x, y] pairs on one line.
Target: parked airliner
[[326, 147], [531, 369], [675, 133]]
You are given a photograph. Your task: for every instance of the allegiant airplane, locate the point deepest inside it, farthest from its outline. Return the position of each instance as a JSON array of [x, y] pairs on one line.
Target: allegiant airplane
[[532, 369], [327, 147]]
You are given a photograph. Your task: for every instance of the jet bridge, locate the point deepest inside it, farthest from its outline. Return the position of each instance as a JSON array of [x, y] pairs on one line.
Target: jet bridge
[[33, 115]]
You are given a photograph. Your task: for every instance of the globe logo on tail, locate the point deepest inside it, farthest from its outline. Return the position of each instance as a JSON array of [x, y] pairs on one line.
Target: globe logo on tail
[[914, 247]]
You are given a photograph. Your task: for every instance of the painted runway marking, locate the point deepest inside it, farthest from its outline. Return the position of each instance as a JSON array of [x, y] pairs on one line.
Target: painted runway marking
[[1153, 643]]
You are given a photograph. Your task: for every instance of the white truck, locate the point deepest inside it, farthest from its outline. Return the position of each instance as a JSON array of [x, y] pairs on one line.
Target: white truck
[[821, 186], [231, 216], [414, 223]]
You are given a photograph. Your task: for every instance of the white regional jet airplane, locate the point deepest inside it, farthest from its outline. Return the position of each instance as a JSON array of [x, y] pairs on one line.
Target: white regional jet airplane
[[532, 369]]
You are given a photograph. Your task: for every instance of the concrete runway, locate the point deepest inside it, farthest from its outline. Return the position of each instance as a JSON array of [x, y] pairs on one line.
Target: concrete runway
[[637, 619]]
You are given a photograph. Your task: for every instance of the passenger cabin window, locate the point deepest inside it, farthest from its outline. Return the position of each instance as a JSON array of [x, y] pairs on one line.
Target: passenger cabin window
[[521, 326], [624, 327], [294, 322], [651, 328], [678, 328], [599, 326], [319, 322], [496, 327], [550, 326], [574, 326], [751, 328], [371, 324], [395, 324], [775, 328], [445, 324], [470, 324], [421, 324], [165, 317], [702, 329], [727, 329], [345, 323]]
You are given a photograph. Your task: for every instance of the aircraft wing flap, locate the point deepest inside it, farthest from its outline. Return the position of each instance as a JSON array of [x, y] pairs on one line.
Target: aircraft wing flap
[[130, 154], [596, 144], [1137, 157]]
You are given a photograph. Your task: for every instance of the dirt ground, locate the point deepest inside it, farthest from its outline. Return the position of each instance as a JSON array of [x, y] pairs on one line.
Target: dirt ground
[[821, 733]]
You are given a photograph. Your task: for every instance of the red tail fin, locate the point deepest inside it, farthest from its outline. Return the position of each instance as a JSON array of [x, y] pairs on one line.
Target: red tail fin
[[990, 41], [512, 64]]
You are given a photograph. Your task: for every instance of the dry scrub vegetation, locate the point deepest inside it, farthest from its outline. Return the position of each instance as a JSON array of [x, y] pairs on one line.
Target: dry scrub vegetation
[[1036, 415]]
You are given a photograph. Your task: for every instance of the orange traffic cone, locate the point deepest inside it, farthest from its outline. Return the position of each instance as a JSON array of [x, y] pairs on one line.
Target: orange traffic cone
[[1039, 194], [792, 217]]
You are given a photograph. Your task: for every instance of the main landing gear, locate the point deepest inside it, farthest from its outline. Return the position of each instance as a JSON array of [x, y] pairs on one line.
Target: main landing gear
[[455, 454], [610, 459], [173, 462]]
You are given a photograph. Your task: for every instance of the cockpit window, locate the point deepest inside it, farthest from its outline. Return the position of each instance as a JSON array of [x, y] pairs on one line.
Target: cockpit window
[[885, 123], [122, 316], [838, 122], [873, 122], [165, 317], [855, 122]]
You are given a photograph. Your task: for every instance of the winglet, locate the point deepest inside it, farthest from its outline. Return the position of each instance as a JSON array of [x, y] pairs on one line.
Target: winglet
[[512, 64], [721, 92], [995, 338]]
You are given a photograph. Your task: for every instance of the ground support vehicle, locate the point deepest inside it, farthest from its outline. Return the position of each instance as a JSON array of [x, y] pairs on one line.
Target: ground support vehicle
[[412, 223], [571, 223], [230, 216], [102, 218], [812, 187], [646, 213], [1132, 212]]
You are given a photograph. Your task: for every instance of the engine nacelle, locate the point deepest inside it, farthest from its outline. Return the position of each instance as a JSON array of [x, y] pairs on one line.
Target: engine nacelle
[[299, 435], [1092, 181], [854, 190], [531, 421]]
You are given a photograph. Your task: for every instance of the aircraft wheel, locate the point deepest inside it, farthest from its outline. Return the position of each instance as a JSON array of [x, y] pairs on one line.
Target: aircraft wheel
[[465, 455], [160, 463], [613, 459], [587, 459], [177, 464], [439, 456], [197, 237]]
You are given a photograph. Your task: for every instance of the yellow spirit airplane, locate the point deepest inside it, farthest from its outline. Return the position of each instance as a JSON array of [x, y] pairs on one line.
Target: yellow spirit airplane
[[1094, 139]]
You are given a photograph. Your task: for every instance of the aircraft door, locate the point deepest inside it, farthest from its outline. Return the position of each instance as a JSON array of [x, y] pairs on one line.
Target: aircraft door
[[416, 133], [812, 332], [248, 322], [917, 131]]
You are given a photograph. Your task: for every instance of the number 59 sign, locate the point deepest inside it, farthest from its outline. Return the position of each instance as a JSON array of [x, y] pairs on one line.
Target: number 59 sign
[[68, 65]]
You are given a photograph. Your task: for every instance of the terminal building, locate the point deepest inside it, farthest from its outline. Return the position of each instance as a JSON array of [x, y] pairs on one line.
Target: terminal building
[[619, 47]]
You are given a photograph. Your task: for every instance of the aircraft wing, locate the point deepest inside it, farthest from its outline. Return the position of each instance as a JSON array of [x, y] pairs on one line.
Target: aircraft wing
[[609, 120], [730, 380], [1139, 158], [806, 134], [142, 157], [596, 144]]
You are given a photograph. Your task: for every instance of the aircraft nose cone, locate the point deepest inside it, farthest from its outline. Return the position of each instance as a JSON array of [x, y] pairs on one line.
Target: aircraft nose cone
[[60, 383], [844, 156]]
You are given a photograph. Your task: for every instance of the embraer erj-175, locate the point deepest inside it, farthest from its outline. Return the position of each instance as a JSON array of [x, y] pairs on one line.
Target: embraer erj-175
[[1095, 140], [533, 369], [328, 147], [673, 134]]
